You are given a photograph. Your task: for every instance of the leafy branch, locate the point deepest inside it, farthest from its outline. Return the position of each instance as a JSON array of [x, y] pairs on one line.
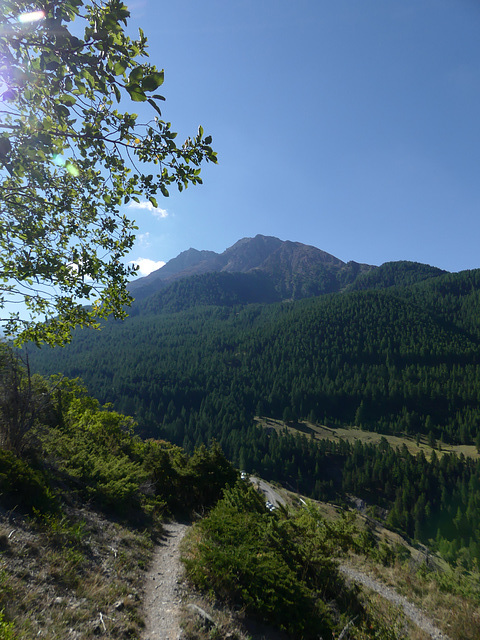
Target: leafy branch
[[70, 159]]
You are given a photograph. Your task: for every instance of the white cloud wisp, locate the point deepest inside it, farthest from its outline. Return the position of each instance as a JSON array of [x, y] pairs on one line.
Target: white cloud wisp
[[146, 266], [148, 206]]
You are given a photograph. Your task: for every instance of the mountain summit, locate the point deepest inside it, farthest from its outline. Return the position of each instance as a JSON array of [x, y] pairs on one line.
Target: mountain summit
[[259, 269], [244, 255], [282, 261]]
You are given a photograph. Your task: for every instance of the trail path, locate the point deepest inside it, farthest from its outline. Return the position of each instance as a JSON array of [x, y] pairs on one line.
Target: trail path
[[163, 597], [162, 591], [410, 610]]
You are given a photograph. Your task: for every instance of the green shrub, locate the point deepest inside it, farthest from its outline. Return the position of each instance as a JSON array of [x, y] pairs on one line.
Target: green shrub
[[6, 629], [22, 485], [247, 554]]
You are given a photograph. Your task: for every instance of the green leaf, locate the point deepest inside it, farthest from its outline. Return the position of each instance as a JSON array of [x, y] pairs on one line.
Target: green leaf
[[80, 86], [119, 68], [136, 93], [67, 99], [153, 201], [154, 105], [135, 75], [52, 65], [61, 111], [153, 81]]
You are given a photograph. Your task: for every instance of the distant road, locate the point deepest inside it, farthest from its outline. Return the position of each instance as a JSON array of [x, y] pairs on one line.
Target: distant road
[[268, 491]]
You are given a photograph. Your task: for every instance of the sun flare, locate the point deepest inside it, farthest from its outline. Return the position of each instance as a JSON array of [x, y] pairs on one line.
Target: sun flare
[[32, 16]]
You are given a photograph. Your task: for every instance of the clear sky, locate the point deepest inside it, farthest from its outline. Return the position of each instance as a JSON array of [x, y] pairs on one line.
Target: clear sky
[[351, 125]]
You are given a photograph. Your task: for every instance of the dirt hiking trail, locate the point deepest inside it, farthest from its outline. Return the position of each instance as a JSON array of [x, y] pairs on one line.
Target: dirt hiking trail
[[411, 611], [162, 603], [162, 590]]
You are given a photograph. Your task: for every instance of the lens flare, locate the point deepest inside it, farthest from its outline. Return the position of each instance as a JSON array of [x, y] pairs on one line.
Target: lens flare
[[33, 16], [73, 170], [59, 160]]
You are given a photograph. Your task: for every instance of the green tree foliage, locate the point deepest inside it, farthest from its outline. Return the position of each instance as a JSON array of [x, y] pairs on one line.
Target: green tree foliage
[[278, 566], [17, 406], [70, 159], [98, 450], [21, 484], [93, 450], [435, 502], [392, 274], [401, 361], [23, 401]]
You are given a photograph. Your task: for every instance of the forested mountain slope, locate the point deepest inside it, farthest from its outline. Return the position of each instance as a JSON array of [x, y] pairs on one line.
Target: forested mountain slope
[[395, 360], [82, 500], [403, 360], [391, 274], [213, 289]]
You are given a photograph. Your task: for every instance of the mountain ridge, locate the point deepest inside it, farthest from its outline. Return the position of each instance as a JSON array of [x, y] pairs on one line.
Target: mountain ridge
[[262, 269]]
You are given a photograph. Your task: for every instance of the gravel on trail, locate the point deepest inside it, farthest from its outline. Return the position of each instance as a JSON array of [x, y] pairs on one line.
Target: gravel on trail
[[162, 591], [163, 599], [411, 611]]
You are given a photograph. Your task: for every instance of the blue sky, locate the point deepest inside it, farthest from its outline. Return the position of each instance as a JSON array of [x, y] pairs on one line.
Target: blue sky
[[349, 125]]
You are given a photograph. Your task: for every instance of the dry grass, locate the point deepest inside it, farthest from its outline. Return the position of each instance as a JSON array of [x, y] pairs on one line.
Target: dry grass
[[194, 627], [451, 598], [353, 434], [60, 581], [456, 614], [229, 623], [390, 617]]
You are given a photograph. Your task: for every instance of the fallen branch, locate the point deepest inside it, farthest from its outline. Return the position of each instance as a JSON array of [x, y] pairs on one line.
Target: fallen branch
[[346, 628]]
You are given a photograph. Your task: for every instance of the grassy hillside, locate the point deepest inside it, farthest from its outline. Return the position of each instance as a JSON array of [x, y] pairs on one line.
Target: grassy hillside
[[289, 567], [414, 444]]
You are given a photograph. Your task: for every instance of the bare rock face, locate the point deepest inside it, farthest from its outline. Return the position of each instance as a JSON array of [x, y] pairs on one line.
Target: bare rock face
[[291, 269]]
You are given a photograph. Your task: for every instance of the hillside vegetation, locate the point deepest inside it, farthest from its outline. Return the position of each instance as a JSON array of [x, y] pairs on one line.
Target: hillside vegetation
[[291, 566], [402, 360], [82, 499], [399, 360]]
